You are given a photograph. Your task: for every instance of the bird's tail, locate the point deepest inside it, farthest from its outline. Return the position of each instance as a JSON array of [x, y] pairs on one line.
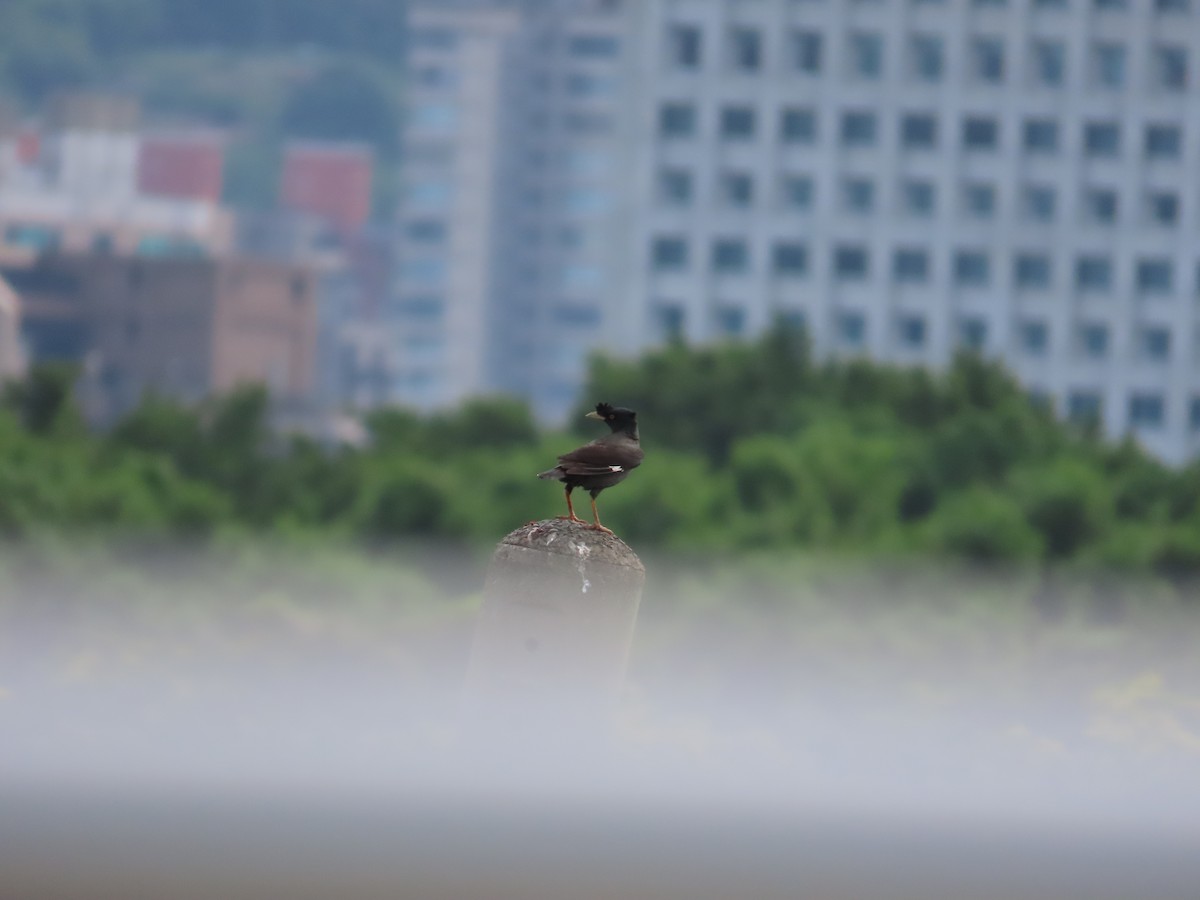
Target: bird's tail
[[554, 473]]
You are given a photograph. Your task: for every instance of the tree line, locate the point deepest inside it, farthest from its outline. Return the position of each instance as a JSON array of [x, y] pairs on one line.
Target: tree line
[[750, 446]]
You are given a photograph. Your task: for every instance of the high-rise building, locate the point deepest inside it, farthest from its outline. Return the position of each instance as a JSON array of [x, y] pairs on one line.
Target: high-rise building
[[903, 177], [907, 177], [511, 180]]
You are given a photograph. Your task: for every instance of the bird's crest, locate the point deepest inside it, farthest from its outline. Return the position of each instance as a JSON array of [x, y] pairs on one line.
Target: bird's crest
[[604, 410]]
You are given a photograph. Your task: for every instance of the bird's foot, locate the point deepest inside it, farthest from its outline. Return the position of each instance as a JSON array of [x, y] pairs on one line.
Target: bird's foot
[[575, 519], [596, 526]]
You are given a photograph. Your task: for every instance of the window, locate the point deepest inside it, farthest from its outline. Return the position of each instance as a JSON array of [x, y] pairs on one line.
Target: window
[[426, 307], [858, 195], [1162, 208], [1146, 410], [798, 125], [745, 49], [731, 320], [1164, 142], [851, 263], [737, 122], [1155, 343], [866, 56], [669, 253], [684, 46], [971, 268], [918, 131], [1039, 203], [737, 189], [593, 46], [1093, 274], [979, 200], [581, 84], [858, 129], [1108, 66], [577, 316], [1102, 139], [587, 122], [1033, 337], [676, 187], [423, 271], [676, 120], [1031, 271], [435, 116], [796, 192], [912, 330], [1083, 406], [671, 319], [1040, 136], [429, 194], [987, 60], [426, 231], [789, 258], [910, 266], [806, 48], [919, 198], [851, 328], [1049, 63], [980, 133], [730, 255], [1170, 68], [926, 58], [1093, 340], [972, 333], [1100, 206], [1154, 276]]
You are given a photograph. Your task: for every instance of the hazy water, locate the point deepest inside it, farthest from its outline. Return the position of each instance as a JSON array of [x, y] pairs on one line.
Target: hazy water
[[294, 729]]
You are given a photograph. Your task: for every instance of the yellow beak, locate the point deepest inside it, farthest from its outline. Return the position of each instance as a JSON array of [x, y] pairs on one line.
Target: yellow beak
[[594, 415]]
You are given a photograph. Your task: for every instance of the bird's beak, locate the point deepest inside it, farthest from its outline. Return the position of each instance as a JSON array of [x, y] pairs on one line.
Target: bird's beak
[[594, 415]]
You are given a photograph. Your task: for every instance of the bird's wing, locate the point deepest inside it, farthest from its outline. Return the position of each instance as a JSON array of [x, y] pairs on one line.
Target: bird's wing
[[596, 458]]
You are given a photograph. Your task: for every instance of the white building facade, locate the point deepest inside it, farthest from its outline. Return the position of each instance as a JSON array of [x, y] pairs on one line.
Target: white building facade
[[903, 177], [512, 180], [906, 177]]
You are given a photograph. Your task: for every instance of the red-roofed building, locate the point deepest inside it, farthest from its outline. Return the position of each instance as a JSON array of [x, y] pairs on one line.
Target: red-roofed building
[[185, 165], [329, 180]]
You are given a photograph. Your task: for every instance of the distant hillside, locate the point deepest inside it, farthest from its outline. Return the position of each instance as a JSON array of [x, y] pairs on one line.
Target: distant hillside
[[264, 69], [51, 44]]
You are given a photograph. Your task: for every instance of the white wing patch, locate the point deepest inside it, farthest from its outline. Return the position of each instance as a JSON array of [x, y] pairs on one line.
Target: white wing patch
[[615, 469]]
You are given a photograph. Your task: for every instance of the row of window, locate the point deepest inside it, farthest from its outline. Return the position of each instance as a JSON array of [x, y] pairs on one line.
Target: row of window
[[978, 200], [1030, 270], [445, 39], [921, 130], [1092, 340], [988, 58]]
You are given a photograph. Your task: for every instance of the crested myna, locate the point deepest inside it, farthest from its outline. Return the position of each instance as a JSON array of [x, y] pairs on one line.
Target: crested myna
[[602, 463]]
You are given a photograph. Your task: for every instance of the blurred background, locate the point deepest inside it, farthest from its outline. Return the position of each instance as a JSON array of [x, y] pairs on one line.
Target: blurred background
[[297, 296]]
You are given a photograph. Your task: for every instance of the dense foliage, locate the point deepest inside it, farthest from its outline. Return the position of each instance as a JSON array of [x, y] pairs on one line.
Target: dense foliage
[[750, 446]]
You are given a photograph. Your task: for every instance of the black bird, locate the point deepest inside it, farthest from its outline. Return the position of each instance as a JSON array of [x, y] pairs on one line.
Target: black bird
[[602, 463]]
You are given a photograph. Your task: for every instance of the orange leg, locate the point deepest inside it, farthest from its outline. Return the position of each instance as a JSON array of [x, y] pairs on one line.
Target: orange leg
[[571, 509], [596, 516]]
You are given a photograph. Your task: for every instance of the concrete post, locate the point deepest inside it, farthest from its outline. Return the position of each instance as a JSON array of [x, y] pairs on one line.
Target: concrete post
[[553, 635]]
